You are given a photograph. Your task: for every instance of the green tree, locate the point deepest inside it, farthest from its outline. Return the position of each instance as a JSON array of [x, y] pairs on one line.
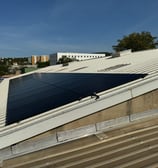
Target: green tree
[[43, 64], [3, 70], [64, 60], [137, 42]]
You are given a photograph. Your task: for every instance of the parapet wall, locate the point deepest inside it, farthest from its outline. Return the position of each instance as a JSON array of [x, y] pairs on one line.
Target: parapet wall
[[145, 102]]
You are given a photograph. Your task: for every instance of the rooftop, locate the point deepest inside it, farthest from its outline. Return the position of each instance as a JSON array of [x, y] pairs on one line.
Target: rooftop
[[56, 95]]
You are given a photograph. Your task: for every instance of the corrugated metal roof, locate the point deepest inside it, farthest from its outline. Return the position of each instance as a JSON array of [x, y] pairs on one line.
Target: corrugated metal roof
[[136, 62]]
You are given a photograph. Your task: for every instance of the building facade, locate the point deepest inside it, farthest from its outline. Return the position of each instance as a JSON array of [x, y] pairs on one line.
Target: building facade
[[39, 58], [75, 56]]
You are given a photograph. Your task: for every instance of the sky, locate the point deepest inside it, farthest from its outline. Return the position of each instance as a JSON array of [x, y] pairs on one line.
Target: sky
[[37, 27]]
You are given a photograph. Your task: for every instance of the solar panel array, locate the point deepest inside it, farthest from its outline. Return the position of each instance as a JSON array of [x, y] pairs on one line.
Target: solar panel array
[[39, 92]]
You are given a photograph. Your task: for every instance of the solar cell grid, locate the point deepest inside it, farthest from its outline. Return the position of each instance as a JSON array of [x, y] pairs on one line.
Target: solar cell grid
[[39, 92]]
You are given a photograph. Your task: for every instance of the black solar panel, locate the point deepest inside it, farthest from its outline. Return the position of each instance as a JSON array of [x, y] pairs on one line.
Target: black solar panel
[[37, 93]]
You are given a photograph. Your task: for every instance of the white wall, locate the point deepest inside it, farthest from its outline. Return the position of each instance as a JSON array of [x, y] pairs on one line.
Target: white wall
[[80, 56]]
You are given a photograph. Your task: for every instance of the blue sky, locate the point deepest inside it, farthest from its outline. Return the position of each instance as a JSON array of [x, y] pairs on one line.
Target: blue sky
[[30, 27]]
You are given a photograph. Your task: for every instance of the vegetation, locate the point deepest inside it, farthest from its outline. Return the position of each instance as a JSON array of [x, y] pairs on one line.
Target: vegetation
[[106, 53], [64, 60], [6, 63], [11, 61], [43, 64], [137, 42], [3, 70]]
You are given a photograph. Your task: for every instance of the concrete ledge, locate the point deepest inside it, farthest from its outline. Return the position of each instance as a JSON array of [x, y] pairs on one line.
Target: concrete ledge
[[76, 133], [27, 147], [112, 123], [1, 163], [5, 153], [145, 114]]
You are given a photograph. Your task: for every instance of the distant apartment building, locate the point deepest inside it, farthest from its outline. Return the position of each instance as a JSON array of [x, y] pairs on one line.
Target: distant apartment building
[[76, 56], [39, 58]]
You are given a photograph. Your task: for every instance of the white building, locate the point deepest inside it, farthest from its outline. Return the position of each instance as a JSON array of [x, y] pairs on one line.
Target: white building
[[76, 56]]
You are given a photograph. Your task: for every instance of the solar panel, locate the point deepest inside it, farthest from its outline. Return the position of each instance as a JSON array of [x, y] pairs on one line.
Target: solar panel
[[39, 92]]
